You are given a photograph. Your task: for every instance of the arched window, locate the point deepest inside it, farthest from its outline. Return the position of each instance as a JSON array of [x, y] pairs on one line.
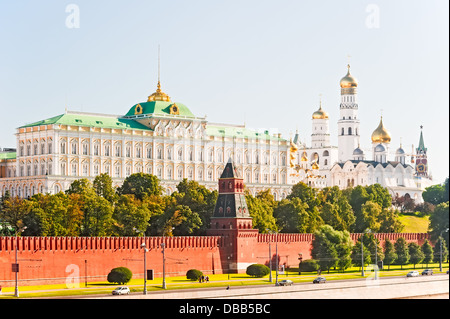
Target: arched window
[[342, 133], [349, 131]]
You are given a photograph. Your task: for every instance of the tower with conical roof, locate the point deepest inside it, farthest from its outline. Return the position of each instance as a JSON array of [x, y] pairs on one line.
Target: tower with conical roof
[[348, 123], [231, 220], [421, 157]]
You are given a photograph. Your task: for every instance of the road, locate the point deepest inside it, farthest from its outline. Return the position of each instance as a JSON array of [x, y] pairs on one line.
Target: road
[[384, 288]]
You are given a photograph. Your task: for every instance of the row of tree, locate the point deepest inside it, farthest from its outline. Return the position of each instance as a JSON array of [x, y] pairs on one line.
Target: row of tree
[[335, 249], [99, 209]]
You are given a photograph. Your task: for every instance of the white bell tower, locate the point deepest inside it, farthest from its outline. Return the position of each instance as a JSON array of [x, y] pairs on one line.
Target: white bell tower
[[348, 123]]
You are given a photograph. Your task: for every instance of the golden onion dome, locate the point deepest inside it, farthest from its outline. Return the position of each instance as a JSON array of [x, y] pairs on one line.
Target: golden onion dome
[[159, 95], [349, 81], [320, 114], [381, 134]]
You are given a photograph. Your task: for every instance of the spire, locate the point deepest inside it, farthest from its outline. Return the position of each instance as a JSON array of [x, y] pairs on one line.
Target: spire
[[159, 95], [421, 147]]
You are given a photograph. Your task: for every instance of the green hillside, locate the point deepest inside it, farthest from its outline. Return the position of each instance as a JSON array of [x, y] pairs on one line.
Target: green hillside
[[414, 224]]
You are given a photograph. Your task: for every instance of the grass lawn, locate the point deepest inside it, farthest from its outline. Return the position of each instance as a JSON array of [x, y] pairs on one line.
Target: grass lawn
[[414, 223], [219, 280]]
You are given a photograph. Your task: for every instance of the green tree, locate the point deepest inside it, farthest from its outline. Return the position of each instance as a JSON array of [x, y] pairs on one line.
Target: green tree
[[428, 252], [140, 185], [103, 186], [336, 210], [178, 220], [292, 216], [120, 275], [15, 209], [358, 256], [435, 194], [54, 215], [97, 211], [402, 251], [390, 221], [261, 209], [390, 256], [199, 199], [129, 214], [370, 212], [331, 248], [257, 270], [439, 222], [380, 195], [416, 254], [437, 250]]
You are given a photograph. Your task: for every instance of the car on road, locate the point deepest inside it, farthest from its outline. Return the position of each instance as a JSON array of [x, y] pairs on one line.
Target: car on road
[[286, 282], [412, 273], [427, 272], [319, 280], [121, 291]]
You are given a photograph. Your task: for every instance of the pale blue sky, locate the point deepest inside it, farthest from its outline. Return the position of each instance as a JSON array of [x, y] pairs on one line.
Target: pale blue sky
[[262, 62]]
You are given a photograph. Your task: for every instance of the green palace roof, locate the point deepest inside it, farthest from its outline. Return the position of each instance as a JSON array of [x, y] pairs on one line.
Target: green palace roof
[[90, 120], [159, 108], [7, 155], [237, 131]]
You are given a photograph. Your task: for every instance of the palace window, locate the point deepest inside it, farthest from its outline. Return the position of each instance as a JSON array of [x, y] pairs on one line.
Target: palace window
[[85, 149], [149, 152]]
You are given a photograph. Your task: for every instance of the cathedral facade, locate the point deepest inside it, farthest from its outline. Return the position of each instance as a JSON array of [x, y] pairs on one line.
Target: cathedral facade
[[166, 139]]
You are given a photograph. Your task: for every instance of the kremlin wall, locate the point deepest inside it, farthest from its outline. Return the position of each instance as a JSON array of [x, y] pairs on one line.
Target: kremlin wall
[[230, 246], [51, 260]]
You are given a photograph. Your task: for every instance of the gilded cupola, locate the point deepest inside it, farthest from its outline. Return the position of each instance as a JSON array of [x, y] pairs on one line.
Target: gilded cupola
[[320, 114], [159, 95], [381, 134], [349, 81]]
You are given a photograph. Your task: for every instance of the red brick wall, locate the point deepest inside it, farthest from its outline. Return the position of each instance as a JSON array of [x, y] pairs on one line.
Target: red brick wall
[[46, 260]]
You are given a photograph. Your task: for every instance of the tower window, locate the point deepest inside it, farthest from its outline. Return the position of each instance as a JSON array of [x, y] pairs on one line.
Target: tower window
[[349, 131], [342, 133]]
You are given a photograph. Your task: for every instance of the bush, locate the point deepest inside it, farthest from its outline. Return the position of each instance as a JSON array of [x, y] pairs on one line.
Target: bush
[[193, 274], [120, 275], [308, 265], [257, 270]]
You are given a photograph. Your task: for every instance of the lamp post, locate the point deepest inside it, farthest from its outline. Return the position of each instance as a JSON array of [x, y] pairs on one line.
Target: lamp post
[[368, 230], [362, 255], [16, 265], [270, 255], [276, 256], [440, 247], [144, 246], [163, 245]]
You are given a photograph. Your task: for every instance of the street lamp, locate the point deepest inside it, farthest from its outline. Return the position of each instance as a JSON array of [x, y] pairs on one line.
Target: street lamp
[[163, 245], [143, 245], [440, 246], [270, 255], [276, 257], [368, 230], [16, 265]]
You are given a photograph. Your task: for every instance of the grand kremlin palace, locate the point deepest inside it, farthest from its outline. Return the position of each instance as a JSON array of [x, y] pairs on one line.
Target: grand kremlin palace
[[166, 139]]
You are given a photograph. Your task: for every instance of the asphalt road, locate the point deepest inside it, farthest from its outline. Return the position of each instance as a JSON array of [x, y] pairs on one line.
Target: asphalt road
[[258, 291]]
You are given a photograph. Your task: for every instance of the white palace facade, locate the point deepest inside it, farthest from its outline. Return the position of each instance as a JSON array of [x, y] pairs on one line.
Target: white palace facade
[[166, 139]]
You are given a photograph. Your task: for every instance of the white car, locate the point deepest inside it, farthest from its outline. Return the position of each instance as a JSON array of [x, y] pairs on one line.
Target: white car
[[121, 291], [413, 274]]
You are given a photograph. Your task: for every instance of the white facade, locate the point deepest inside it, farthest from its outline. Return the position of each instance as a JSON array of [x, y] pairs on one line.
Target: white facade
[[164, 139]]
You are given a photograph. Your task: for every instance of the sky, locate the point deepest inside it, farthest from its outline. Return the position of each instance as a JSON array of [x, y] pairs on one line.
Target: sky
[[263, 63]]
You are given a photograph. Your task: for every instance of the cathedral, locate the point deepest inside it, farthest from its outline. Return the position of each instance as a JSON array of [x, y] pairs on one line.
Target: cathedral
[[347, 165], [166, 139]]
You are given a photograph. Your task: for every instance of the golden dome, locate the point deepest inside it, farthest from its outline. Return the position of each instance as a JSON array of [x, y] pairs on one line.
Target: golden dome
[[320, 114], [159, 95], [381, 134], [349, 81]]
